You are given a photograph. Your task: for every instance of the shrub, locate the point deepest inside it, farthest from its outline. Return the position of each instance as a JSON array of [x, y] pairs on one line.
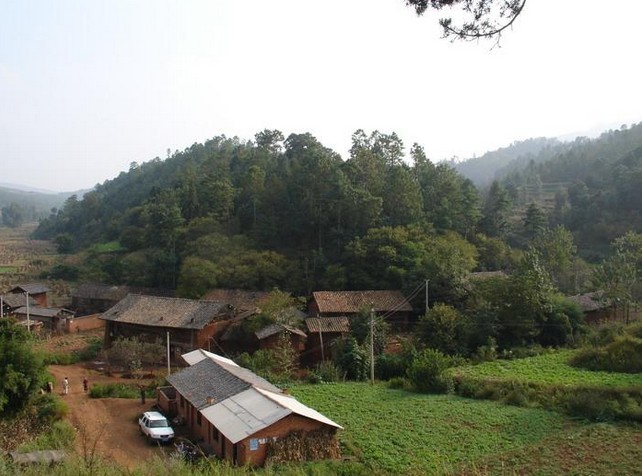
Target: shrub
[[328, 372], [50, 408], [624, 354], [388, 366], [399, 383], [426, 373]]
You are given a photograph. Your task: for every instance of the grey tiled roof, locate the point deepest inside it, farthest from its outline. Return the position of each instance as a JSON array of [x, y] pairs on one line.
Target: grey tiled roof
[[215, 381], [17, 300], [31, 288], [43, 311], [158, 311], [275, 329]]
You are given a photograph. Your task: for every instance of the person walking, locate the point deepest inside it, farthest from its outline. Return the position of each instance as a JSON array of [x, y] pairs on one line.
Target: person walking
[[85, 384], [65, 386]]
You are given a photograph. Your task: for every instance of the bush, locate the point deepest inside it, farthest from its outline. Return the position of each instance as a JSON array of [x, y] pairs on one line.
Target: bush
[[399, 383], [327, 372], [50, 408], [624, 354], [388, 366], [426, 373], [597, 404]]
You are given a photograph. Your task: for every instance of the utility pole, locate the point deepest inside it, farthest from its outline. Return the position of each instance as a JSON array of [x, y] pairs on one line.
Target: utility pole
[[28, 319], [427, 281], [372, 379], [169, 368]]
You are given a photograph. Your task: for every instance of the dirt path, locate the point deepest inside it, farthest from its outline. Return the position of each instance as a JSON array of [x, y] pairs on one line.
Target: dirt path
[[108, 424]]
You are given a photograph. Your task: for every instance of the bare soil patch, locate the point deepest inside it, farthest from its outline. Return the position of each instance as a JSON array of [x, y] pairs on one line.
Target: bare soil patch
[[106, 427]]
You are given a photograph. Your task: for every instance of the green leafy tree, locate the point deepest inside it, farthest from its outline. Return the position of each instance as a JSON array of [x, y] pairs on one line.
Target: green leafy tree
[[13, 215], [360, 330], [441, 328], [22, 371]]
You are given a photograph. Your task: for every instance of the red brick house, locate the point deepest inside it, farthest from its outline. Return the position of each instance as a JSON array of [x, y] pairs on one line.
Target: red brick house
[[191, 324], [269, 337], [241, 417], [322, 332], [389, 304]]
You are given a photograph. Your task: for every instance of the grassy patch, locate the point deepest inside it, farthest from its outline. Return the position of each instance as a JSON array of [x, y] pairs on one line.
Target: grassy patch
[[8, 269], [550, 368], [601, 449], [407, 433]]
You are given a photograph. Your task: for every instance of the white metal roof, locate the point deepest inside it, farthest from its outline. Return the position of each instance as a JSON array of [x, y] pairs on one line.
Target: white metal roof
[[297, 407], [252, 410], [197, 355]]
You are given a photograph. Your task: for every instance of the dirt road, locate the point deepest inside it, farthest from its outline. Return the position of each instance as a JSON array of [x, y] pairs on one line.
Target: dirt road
[[108, 424]]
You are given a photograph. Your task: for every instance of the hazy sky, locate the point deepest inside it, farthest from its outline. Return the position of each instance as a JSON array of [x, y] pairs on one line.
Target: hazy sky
[[87, 87]]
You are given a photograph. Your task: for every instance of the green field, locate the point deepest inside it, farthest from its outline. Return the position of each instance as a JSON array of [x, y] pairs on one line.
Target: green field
[[552, 368], [397, 432]]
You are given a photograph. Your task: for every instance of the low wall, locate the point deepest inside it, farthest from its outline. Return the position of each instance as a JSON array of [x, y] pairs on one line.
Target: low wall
[[84, 323]]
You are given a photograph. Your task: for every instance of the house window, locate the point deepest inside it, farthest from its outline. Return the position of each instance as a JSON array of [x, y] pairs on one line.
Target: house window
[[182, 402], [198, 418], [215, 433]]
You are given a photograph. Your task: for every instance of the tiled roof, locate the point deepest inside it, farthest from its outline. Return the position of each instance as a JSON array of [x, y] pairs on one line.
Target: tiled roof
[[32, 288], [166, 312], [17, 300], [339, 324], [239, 298], [210, 381], [43, 311], [277, 328], [352, 302]]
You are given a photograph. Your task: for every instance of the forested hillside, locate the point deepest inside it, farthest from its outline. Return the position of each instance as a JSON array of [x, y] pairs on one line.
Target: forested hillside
[[20, 206], [291, 213]]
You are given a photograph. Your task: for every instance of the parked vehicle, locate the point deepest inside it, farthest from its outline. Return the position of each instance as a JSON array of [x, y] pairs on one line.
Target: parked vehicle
[[155, 427]]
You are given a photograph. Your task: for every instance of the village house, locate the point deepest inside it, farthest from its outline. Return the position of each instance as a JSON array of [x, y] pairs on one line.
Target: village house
[[188, 324], [52, 319], [322, 332], [93, 298], [11, 302], [271, 337], [38, 292], [388, 304], [241, 417]]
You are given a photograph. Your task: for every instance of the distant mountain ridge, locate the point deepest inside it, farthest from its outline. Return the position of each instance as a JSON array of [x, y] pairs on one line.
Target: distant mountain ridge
[[39, 202]]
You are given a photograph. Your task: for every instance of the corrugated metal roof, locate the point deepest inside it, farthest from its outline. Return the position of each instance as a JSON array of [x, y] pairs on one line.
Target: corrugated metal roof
[[297, 407], [197, 355], [158, 311], [252, 410], [244, 414], [352, 302], [339, 324]]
